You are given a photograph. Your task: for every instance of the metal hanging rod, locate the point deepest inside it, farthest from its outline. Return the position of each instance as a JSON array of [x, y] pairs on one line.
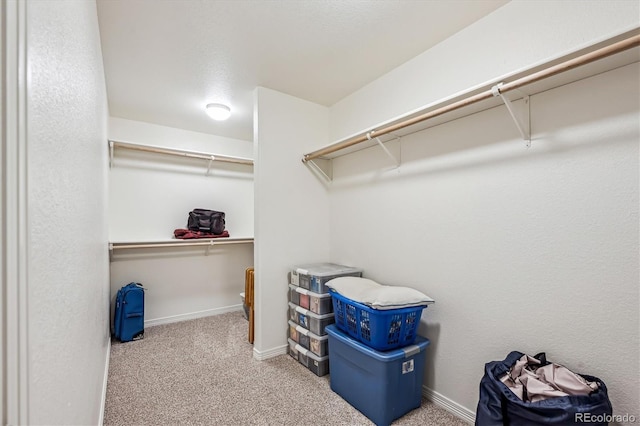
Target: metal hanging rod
[[611, 49], [179, 152], [181, 243]]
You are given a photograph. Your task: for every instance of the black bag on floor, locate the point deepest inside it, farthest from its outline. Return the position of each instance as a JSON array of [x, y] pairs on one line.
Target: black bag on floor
[[209, 221], [498, 405]]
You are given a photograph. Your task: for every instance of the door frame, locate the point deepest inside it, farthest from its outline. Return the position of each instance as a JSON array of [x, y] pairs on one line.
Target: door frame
[[14, 393]]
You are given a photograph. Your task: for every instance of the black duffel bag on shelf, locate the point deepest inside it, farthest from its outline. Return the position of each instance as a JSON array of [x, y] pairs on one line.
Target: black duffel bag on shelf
[[209, 221]]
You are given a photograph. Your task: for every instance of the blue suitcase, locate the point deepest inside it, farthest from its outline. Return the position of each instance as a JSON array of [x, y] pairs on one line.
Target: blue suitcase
[[128, 319]]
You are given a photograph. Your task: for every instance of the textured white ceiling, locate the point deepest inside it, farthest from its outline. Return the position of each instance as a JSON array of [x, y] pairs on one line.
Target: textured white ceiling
[[166, 59]]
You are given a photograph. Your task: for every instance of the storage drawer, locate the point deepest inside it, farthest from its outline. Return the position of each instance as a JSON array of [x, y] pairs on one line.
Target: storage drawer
[[319, 345], [307, 319], [317, 303], [318, 365], [314, 276]]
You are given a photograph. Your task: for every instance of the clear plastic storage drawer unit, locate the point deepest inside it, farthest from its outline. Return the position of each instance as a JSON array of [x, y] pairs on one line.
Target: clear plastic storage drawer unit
[[314, 276]]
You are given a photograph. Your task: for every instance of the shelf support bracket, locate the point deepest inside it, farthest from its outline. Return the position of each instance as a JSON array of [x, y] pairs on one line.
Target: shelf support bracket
[[110, 154], [324, 169], [211, 160], [211, 244], [386, 151], [523, 128]]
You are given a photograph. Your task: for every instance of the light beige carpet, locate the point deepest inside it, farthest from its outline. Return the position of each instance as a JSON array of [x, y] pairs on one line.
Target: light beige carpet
[[202, 372]]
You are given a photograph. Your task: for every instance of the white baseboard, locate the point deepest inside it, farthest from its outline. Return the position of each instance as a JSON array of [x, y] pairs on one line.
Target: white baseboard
[[192, 315], [104, 383], [261, 356], [449, 405]]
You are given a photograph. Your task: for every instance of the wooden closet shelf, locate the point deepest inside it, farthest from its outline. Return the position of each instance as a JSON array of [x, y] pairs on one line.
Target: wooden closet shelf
[[201, 242], [600, 57], [178, 152]]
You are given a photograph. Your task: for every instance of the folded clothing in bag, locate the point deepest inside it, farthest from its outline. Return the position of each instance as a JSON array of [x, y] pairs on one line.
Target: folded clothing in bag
[[534, 379]]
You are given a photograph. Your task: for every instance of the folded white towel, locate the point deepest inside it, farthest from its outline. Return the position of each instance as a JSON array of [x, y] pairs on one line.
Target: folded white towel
[[378, 296]]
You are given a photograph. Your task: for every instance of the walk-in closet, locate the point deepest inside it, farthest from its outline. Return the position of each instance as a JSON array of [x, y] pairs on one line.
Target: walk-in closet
[[483, 153]]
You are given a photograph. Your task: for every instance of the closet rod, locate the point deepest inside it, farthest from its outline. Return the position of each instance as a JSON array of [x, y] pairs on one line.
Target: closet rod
[[182, 153], [116, 246], [601, 53]]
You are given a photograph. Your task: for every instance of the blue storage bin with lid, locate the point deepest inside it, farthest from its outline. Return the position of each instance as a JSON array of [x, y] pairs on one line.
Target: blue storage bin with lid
[[381, 385]]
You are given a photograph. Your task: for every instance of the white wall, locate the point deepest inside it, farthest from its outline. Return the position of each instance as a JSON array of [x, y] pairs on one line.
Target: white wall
[[531, 250], [292, 209], [151, 195], [68, 329], [516, 36]]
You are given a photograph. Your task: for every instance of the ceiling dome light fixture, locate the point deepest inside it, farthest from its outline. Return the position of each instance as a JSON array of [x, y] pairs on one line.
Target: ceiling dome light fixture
[[218, 112]]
